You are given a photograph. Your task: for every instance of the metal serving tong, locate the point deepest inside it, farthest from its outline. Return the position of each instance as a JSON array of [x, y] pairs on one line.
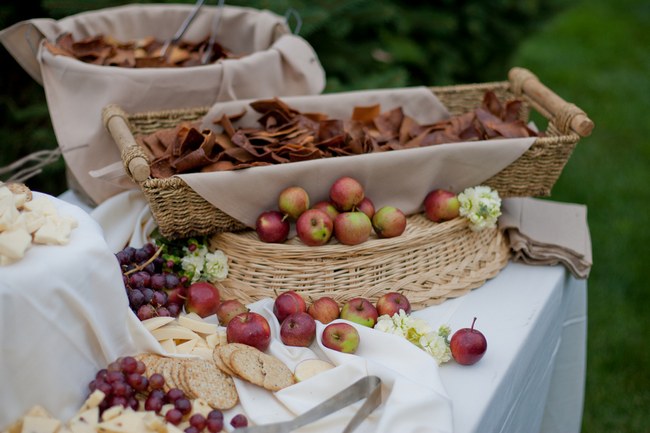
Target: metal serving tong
[[368, 387], [182, 29]]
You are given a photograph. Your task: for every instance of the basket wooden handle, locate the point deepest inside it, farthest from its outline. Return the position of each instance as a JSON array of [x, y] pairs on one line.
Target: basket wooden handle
[[115, 121], [565, 115]]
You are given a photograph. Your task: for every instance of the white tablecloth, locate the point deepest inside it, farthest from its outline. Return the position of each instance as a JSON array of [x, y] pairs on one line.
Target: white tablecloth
[[532, 376]]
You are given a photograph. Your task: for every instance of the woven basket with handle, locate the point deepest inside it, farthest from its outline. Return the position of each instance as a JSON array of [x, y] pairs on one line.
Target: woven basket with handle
[[171, 200]]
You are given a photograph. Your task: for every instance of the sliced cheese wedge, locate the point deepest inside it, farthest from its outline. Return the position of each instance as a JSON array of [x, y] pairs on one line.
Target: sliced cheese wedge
[[197, 325], [156, 322]]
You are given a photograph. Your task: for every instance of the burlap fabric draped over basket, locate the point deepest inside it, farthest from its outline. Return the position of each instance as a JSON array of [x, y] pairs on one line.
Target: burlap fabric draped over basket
[[276, 63]]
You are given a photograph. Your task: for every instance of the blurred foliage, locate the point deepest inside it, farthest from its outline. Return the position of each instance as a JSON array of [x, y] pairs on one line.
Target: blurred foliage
[[361, 44]]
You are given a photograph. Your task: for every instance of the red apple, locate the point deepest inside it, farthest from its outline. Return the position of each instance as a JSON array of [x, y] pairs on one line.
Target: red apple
[[468, 345], [177, 295], [202, 299], [314, 227], [361, 311], [293, 201], [229, 309], [324, 309], [341, 336], [288, 303], [390, 303], [352, 228], [298, 329], [327, 207], [441, 205], [366, 206], [272, 226], [389, 222], [346, 193], [249, 328]]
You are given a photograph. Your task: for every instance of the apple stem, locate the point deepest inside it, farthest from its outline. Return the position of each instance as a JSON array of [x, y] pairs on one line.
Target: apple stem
[[473, 322]]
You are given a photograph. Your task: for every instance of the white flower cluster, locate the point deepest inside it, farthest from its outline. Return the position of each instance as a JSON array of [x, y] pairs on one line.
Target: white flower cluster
[[201, 264], [418, 332], [481, 206]]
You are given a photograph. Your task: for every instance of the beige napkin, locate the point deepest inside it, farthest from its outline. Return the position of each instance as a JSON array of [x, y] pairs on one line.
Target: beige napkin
[[543, 232], [400, 178], [277, 63]]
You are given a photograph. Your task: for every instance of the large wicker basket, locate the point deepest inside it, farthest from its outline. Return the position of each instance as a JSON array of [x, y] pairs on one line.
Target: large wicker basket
[[533, 174], [428, 263]]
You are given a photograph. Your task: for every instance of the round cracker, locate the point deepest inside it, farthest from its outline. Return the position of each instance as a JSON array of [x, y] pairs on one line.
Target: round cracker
[[261, 369], [206, 381]]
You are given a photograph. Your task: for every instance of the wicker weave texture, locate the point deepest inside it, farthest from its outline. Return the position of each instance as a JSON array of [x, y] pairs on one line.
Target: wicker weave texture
[[428, 263], [181, 212]]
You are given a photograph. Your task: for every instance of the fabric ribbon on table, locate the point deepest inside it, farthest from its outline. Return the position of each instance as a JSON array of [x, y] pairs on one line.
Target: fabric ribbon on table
[[542, 232]]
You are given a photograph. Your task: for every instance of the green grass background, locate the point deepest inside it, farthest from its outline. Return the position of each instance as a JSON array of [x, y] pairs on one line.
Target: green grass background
[[595, 54]]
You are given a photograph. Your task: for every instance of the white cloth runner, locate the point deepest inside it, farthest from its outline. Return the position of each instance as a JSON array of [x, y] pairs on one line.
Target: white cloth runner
[[63, 316], [413, 397]]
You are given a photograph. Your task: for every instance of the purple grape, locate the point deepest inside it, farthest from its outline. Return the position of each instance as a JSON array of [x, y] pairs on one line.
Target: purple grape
[[114, 366], [215, 414], [114, 376], [136, 299], [129, 364], [122, 258], [141, 255], [239, 420], [130, 253], [101, 374], [142, 367], [149, 248], [146, 311], [156, 381], [183, 405], [158, 282], [153, 403], [159, 299], [163, 312], [133, 403], [125, 280], [137, 280], [104, 387], [158, 264], [174, 416], [122, 389], [192, 429], [197, 420], [148, 294], [173, 395], [158, 393], [150, 268], [214, 425], [172, 280], [170, 264], [118, 400], [174, 310], [137, 381]]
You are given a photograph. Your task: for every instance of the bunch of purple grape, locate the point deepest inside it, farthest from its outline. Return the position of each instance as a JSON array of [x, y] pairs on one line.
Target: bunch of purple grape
[[152, 289], [124, 383]]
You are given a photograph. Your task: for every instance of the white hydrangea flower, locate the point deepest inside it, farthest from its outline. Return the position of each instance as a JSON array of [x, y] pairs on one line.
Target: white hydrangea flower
[[193, 264], [418, 332], [436, 345], [481, 206], [216, 266]]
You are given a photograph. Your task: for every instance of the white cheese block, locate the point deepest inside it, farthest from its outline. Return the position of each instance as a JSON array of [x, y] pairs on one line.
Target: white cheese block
[[37, 424], [197, 325], [14, 243]]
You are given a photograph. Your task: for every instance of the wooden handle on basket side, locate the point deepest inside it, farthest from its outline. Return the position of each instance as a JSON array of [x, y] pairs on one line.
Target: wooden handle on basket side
[[115, 121], [565, 115]]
